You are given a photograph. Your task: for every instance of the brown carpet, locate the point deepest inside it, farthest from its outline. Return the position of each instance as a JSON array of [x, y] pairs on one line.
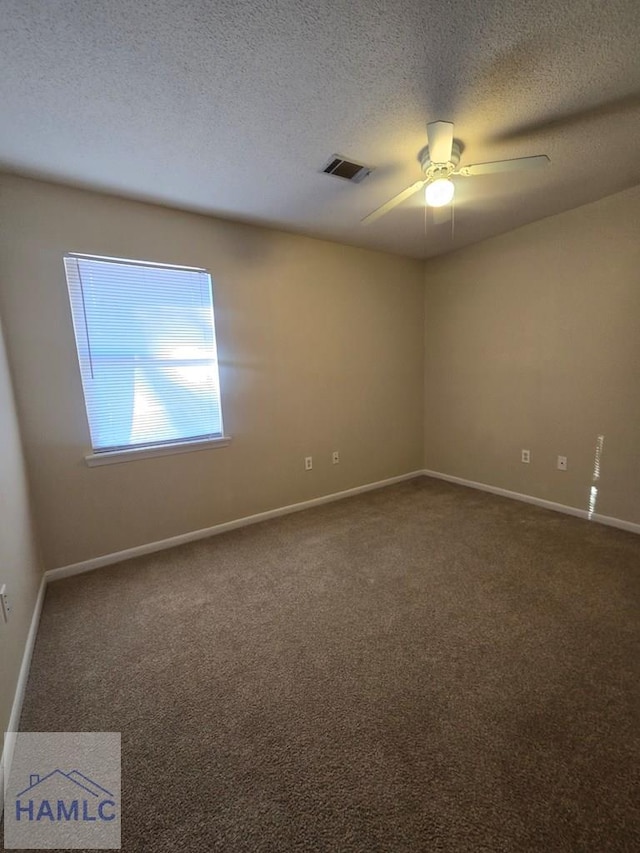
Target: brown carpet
[[422, 668]]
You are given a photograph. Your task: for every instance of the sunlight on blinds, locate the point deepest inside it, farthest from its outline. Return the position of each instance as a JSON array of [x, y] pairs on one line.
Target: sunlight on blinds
[[146, 344], [593, 492]]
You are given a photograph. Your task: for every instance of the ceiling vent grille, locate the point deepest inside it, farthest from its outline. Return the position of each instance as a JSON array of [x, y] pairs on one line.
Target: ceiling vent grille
[[343, 168]]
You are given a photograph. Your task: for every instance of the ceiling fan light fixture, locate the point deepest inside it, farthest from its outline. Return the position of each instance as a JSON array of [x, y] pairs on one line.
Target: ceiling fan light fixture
[[440, 159], [440, 192]]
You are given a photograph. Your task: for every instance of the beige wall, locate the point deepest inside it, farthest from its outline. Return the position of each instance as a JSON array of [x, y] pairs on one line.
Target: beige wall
[[19, 561], [321, 348], [533, 341]]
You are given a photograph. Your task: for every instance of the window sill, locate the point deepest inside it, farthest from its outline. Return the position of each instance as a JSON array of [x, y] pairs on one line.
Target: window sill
[[111, 457]]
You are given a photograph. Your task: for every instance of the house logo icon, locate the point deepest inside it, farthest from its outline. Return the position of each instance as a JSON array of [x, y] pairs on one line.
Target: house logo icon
[[64, 792], [62, 797]]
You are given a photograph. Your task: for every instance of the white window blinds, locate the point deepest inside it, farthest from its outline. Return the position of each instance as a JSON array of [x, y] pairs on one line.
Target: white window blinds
[[146, 344]]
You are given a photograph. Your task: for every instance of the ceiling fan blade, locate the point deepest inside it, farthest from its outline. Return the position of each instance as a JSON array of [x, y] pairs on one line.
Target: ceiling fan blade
[[393, 202], [440, 141], [517, 165]]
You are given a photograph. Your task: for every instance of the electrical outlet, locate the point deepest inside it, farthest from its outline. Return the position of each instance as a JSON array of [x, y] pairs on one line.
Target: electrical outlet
[[308, 463], [526, 456], [562, 463], [335, 457], [4, 602]]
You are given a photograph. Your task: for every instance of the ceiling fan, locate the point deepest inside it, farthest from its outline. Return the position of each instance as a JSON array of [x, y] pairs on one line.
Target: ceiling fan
[[440, 161]]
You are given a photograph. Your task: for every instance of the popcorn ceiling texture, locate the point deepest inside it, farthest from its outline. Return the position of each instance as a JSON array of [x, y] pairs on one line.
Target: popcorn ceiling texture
[[233, 108]]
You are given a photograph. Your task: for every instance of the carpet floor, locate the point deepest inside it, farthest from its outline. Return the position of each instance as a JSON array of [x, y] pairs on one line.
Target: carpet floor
[[421, 668]]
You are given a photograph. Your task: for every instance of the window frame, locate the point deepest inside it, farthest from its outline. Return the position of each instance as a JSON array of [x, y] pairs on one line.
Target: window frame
[[108, 456]]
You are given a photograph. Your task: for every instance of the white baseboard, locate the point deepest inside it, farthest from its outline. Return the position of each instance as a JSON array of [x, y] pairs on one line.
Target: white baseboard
[[630, 526], [204, 533], [21, 686]]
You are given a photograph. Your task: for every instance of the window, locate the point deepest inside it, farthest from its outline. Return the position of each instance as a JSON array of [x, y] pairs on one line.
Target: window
[[146, 344]]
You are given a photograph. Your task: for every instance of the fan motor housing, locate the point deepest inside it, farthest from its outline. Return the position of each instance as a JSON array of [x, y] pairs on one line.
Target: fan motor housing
[[433, 171]]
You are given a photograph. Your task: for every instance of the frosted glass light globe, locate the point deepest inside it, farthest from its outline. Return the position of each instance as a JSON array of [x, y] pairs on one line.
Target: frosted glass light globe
[[439, 192]]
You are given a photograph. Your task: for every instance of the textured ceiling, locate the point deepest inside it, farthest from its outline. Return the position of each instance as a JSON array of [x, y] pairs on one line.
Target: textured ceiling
[[233, 107]]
